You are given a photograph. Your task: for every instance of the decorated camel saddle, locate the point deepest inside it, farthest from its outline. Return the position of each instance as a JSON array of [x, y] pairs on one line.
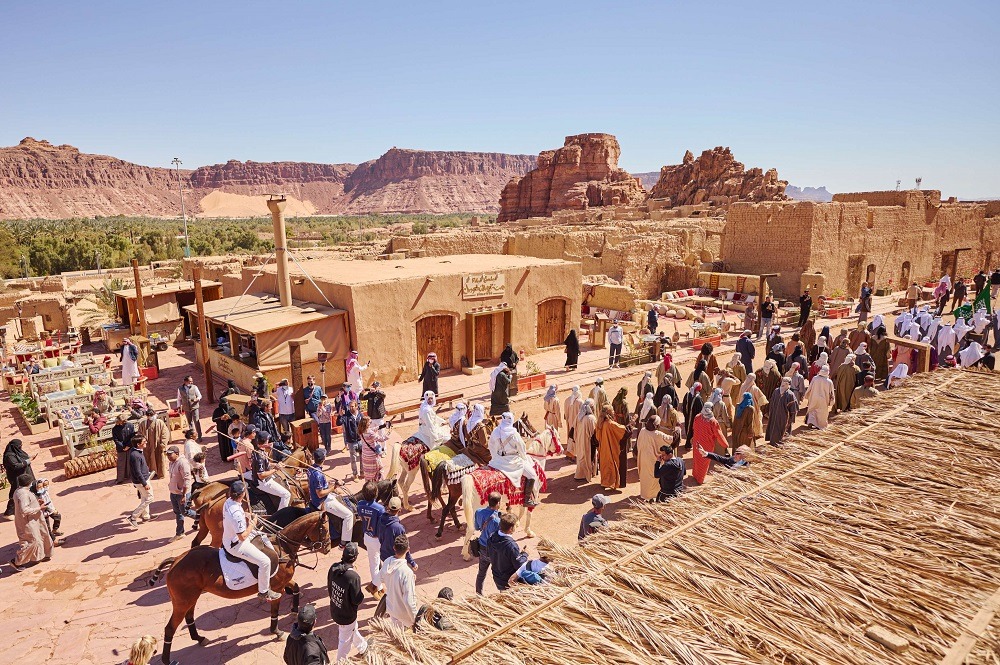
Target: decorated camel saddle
[[487, 480], [240, 573]]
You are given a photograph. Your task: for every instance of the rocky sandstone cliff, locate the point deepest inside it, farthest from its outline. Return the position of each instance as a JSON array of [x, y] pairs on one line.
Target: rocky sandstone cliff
[[716, 173], [422, 181], [582, 174], [38, 179]]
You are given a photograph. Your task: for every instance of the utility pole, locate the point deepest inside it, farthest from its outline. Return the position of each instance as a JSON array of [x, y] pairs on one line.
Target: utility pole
[[187, 241], [24, 264], [199, 300], [97, 257], [140, 306]]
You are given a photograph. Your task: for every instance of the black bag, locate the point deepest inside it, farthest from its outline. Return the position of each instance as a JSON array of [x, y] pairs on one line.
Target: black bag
[[475, 547]]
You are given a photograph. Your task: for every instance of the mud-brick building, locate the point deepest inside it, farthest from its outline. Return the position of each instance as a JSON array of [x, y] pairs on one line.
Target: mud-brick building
[[464, 308], [876, 237]]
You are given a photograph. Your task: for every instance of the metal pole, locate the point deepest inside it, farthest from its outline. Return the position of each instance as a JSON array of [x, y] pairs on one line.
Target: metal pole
[[139, 305], [187, 241], [199, 300], [276, 204]]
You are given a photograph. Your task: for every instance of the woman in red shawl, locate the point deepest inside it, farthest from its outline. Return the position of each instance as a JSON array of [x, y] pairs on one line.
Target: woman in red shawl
[[707, 435]]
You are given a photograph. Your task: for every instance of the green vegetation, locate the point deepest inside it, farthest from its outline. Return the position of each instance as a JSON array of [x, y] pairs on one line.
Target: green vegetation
[[55, 246]]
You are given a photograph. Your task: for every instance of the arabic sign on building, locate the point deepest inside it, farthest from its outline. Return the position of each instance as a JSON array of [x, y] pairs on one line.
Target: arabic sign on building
[[483, 285]]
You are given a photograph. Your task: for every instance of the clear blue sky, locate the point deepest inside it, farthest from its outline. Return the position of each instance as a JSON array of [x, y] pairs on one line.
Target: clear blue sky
[[851, 95]]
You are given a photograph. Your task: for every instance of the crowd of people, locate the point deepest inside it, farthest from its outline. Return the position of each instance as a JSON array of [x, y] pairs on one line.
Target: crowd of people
[[719, 413]]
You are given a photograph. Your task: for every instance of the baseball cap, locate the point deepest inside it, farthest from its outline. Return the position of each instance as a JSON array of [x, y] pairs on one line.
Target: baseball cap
[[307, 614], [395, 503], [237, 488], [350, 554], [173, 450], [599, 500], [319, 454]]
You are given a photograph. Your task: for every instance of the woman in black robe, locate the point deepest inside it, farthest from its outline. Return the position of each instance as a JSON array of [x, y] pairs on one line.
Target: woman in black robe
[[798, 357], [665, 390], [510, 358], [572, 350], [15, 462], [429, 374], [691, 407], [223, 417]]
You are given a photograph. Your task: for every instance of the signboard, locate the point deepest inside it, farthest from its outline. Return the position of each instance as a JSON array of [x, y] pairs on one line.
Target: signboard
[[483, 285]]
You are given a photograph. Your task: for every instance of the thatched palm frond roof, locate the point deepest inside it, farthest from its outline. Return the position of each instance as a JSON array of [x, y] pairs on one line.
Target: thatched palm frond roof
[[890, 518]]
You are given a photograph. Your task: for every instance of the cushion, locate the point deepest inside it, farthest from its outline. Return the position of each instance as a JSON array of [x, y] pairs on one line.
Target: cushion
[[67, 384], [50, 362]]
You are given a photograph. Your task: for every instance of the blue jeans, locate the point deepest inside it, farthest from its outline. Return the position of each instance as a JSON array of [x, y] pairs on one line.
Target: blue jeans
[[326, 434], [177, 503], [355, 453], [484, 566]]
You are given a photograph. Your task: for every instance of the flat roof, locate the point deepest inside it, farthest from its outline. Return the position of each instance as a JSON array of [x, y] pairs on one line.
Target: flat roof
[[163, 289], [370, 272], [261, 312]]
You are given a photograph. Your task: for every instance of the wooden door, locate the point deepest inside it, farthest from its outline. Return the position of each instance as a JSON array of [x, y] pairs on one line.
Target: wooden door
[[434, 333], [855, 265], [551, 322], [484, 337]]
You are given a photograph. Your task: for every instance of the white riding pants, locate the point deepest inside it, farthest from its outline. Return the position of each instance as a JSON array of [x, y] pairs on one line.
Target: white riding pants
[[374, 562], [334, 506], [247, 551], [274, 488]]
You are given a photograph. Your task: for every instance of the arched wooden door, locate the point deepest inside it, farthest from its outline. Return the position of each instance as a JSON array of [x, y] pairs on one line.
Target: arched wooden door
[[551, 322], [435, 333]]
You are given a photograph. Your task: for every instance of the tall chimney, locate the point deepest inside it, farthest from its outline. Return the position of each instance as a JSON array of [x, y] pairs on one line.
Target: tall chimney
[[276, 204]]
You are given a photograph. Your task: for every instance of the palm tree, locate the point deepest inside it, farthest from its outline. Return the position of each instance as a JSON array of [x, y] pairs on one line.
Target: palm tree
[[105, 308]]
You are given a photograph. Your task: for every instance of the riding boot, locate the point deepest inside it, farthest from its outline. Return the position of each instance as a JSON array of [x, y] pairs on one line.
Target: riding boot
[[529, 493]]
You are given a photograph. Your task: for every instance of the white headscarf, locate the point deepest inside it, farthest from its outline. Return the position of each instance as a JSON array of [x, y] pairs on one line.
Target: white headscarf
[[493, 375], [586, 409], [647, 408], [748, 383], [458, 414], [824, 371], [707, 411], [823, 360], [505, 428], [914, 332], [877, 321], [946, 337], [822, 342], [849, 360], [429, 399], [960, 328], [769, 364], [903, 322], [862, 348], [971, 354], [946, 280], [899, 373], [980, 320], [737, 359], [478, 413]]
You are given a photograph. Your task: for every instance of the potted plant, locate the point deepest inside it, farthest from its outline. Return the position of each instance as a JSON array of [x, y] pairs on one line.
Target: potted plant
[[532, 379], [27, 407]]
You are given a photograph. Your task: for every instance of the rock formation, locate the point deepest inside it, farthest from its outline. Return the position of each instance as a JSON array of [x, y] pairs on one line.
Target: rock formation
[[819, 194], [716, 173], [38, 179], [410, 181], [582, 174]]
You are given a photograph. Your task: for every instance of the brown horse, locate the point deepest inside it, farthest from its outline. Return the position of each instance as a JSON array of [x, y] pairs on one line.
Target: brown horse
[[210, 512], [210, 519], [477, 449], [197, 571]]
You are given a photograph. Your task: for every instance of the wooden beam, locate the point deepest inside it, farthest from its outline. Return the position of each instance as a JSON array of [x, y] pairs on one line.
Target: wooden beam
[[970, 634], [140, 306]]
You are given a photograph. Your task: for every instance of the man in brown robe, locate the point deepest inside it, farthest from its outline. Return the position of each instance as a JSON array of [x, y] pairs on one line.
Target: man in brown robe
[[807, 335], [838, 354], [34, 540], [157, 436], [858, 335], [844, 381], [609, 435]]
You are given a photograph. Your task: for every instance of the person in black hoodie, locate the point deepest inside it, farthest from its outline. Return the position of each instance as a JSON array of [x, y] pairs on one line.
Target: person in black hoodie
[[429, 374], [343, 584], [302, 646]]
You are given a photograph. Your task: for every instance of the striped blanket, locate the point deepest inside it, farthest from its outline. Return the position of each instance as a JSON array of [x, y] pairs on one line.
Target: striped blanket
[[487, 480], [411, 451]]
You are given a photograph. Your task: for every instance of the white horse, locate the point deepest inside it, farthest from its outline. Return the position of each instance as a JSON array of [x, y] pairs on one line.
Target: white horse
[[398, 469], [539, 446]]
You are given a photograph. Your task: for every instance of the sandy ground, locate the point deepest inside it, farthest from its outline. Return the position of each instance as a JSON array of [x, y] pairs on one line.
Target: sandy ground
[[91, 601]]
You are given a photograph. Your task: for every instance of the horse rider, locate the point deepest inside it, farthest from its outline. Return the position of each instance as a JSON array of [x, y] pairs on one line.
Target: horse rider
[[321, 497], [263, 474], [433, 430], [510, 457], [237, 532]]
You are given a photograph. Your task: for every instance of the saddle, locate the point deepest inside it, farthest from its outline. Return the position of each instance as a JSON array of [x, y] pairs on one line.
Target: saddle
[[265, 547]]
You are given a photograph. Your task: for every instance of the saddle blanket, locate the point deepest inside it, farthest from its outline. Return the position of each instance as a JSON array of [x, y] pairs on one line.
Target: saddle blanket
[[436, 456], [458, 467], [411, 451], [487, 480], [237, 574]]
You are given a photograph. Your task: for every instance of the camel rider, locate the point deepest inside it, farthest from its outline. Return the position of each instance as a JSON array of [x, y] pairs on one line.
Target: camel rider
[[433, 430], [472, 434], [458, 419], [237, 532], [510, 457], [321, 497], [263, 474]]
